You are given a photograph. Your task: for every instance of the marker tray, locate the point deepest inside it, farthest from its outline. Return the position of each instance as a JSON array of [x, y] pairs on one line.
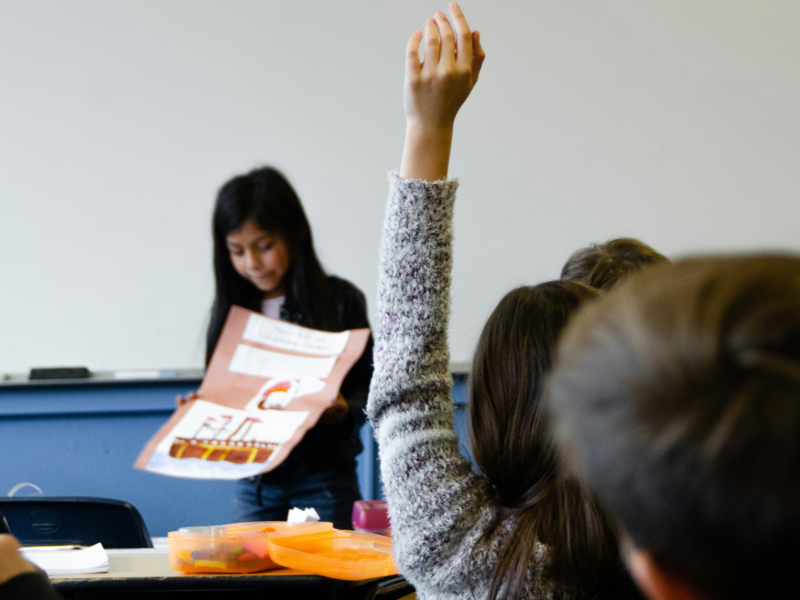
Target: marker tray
[[235, 548]]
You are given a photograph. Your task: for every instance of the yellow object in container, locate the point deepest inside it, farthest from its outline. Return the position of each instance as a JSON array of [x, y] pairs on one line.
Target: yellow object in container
[[237, 548], [352, 555]]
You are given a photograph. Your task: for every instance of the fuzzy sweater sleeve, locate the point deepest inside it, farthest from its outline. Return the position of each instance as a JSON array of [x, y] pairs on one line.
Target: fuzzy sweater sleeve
[[438, 506]]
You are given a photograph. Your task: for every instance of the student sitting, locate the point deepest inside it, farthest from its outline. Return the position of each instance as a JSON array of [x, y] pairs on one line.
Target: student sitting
[[519, 528], [677, 396], [602, 266]]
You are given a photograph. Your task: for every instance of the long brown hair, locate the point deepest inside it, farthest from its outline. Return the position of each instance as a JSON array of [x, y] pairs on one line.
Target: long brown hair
[[512, 447]]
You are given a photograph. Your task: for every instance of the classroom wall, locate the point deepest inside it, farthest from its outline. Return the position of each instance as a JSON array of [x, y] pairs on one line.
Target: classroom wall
[[671, 120], [81, 439]]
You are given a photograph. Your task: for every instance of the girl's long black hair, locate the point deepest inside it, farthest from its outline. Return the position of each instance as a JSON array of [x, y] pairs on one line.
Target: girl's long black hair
[[513, 448], [267, 198]]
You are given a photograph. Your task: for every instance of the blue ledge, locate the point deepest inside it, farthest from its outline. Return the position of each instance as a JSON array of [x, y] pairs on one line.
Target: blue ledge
[[81, 439]]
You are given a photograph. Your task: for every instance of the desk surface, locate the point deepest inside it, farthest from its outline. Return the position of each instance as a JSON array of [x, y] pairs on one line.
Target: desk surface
[[149, 571]]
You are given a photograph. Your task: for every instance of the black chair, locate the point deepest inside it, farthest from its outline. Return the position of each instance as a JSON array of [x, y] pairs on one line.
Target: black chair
[[49, 521], [391, 589]]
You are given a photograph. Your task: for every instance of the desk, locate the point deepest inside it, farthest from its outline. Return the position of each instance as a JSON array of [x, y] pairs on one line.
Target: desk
[[133, 573]]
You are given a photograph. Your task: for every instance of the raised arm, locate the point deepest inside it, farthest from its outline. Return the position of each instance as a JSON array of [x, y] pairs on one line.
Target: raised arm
[[435, 90], [438, 507]]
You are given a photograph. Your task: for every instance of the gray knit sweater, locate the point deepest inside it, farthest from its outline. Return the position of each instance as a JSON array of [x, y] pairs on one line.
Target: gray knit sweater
[[439, 508]]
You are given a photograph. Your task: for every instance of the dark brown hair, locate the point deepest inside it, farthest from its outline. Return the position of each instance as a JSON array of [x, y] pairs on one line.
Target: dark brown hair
[[512, 447], [266, 197], [602, 266], [678, 397]]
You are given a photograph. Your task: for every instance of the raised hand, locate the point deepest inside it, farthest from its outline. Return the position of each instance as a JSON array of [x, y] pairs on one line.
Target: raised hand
[[335, 412], [189, 397], [435, 90]]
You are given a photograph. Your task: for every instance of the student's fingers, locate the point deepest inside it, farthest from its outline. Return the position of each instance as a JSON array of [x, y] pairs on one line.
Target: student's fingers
[[431, 46], [181, 400], [8, 544], [478, 55], [336, 412], [463, 36], [11, 561], [413, 67], [447, 49]]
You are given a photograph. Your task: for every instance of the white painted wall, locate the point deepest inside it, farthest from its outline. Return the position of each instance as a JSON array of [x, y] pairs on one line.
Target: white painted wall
[[676, 121]]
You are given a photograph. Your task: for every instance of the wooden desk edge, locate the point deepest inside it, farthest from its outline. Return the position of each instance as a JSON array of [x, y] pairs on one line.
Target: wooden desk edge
[[137, 572]]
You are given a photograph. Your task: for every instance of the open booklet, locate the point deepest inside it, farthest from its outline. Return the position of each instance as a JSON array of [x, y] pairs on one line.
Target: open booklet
[[267, 383]]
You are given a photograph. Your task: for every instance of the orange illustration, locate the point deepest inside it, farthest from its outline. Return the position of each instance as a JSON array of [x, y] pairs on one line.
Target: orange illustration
[[233, 448]]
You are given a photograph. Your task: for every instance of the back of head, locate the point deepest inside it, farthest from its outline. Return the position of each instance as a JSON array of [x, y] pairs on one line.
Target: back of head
[[602, 266], [678, 397], [513, 449], [514, 352]]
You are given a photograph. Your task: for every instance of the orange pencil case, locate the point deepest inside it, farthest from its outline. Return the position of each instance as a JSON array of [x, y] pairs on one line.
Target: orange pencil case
[[351, 555], [236, 548]]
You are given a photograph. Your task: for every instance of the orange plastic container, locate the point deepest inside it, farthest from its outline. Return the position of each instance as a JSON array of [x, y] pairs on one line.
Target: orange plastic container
[[349, 555], [236, 548]]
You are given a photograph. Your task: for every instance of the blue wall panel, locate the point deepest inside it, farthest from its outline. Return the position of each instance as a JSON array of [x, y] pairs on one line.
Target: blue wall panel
[[82, 440]]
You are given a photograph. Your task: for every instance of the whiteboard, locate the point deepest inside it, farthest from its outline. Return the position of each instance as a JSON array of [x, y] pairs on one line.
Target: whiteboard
[[675, 121]]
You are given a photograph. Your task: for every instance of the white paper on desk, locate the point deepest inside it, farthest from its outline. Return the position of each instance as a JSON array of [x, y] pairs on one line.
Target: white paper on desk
[[297, 515], [68, 561]]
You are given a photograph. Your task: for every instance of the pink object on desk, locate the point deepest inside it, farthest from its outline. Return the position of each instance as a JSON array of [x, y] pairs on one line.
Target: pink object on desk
[[371, 516]]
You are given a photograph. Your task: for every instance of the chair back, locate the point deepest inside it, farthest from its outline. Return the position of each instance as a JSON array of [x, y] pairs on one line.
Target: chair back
[[48, 521]]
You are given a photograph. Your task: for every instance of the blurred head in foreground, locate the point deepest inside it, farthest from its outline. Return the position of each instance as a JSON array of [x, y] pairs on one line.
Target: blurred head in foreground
[[602, 266], [677, 397]]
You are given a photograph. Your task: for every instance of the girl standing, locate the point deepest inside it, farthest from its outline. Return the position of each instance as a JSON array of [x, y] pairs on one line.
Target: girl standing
[[264, 260]]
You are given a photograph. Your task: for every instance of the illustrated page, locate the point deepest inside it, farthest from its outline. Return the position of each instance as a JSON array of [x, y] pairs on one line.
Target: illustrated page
[[267, 384]]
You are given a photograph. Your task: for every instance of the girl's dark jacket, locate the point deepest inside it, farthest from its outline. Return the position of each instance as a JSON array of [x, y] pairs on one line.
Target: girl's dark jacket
[[333, 446]]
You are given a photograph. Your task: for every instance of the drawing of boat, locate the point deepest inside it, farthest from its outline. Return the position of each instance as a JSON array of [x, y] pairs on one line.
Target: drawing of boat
[[214, 447]]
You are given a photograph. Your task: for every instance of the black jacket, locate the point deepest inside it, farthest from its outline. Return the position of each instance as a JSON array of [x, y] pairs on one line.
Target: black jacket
[[330, 446]]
